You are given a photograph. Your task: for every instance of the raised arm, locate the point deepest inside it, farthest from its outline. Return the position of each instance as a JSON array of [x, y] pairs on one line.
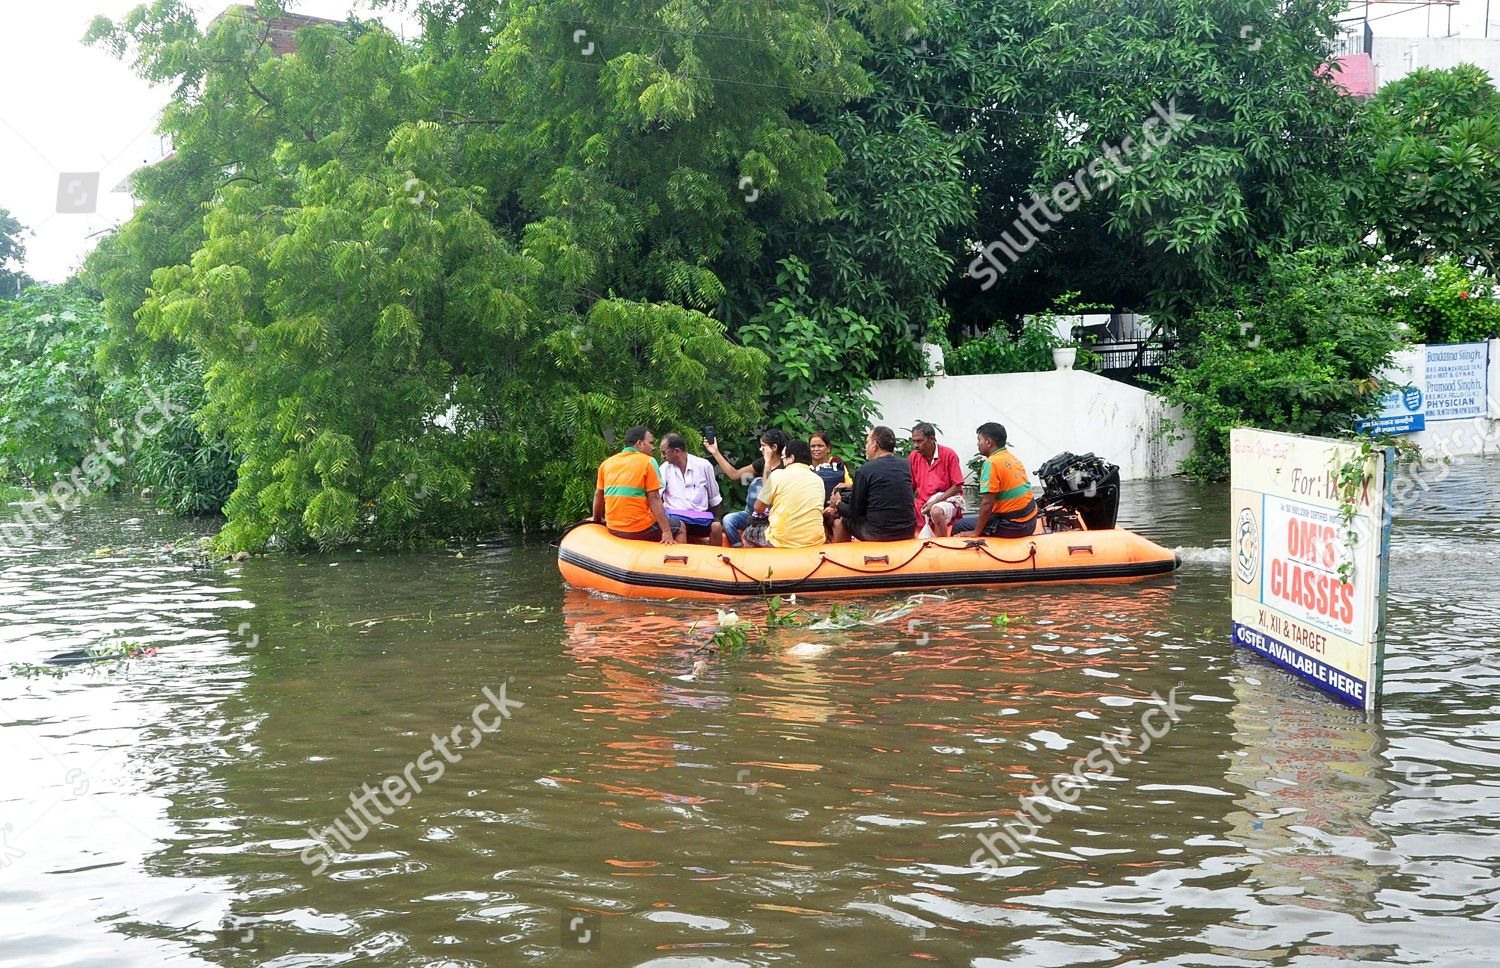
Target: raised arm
[[737, 473]]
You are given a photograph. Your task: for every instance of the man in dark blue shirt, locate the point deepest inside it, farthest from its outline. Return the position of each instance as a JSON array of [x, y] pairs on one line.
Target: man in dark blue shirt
[[880, 505]]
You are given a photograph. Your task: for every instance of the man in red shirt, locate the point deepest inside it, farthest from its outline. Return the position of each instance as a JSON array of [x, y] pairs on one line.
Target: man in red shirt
[[938, 479]]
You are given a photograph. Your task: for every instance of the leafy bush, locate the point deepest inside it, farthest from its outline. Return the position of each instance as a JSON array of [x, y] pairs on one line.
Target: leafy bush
[[1298, 352], [1444, 302], [186, 472], [1030, 352], [998, 352], [59, 395], [49, 387], [818, 355]]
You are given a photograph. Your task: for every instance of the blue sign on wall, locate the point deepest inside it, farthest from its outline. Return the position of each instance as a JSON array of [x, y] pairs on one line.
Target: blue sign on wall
[[1401, 412]]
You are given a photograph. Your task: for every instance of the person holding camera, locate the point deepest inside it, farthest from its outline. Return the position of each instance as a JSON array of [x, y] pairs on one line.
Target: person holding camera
[[792, 501]]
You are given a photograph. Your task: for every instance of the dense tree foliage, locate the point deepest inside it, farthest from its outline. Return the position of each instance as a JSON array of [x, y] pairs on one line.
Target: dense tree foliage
[[1042, 94], [1295, 351], [12, 256], [404, 306], [1434, 142], [65, 406], [427, 284], [49, 388]]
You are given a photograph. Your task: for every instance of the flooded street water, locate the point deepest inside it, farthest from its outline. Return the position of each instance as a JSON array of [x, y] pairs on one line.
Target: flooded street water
[[818, 804]]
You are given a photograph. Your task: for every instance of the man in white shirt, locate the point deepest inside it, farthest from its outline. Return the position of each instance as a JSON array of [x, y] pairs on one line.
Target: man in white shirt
[[690, 490]]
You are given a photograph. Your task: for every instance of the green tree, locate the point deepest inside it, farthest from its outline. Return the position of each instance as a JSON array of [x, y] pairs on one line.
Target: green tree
[[1434, 170], [1030, 94], [49, 387], [64, 407], [12, 256], [1298, 351], [821, 354], [397, 299]]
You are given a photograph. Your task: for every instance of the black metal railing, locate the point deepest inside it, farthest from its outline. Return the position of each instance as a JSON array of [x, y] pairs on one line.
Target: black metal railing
[[1132, 361], [1354, 39]]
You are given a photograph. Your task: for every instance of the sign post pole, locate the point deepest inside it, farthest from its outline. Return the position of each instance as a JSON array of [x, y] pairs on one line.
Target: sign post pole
[[1387, 512]]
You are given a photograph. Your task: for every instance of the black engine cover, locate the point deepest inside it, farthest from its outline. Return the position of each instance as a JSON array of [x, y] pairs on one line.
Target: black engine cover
[[1084, 483]]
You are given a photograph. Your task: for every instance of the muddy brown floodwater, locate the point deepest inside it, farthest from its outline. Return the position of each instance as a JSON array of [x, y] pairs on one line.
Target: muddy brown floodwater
[[815, 805]]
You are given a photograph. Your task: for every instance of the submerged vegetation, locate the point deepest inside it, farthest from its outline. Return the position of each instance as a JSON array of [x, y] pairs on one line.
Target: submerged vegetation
[[404, 290], [111, 655], [731, 635]]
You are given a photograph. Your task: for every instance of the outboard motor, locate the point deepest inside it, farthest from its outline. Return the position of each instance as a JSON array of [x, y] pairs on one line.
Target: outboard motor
[[1080, 483]]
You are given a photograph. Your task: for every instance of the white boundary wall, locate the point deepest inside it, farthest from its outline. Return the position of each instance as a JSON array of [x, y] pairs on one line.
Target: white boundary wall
[[1044, 414]]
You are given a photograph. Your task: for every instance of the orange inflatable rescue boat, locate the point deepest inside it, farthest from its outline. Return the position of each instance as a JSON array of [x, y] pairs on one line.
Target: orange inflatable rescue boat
[[1080, 544], [590, 557]]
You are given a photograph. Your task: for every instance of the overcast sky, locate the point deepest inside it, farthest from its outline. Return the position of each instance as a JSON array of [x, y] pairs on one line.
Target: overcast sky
[[67, 108]]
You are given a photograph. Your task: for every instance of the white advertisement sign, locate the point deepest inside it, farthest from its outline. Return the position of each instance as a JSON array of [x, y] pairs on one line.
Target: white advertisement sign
[[1304, 596], [1457, 381], [1433, 382]]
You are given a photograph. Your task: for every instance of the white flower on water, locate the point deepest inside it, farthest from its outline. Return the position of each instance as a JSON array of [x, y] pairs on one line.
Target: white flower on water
[[727, 619]]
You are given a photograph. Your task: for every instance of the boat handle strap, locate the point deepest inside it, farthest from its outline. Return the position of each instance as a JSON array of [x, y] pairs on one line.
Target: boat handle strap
[[1074, 549], [674, 559], [825, 560]]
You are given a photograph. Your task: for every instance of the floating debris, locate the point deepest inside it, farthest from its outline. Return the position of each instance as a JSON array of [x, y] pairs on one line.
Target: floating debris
[[116, 655]]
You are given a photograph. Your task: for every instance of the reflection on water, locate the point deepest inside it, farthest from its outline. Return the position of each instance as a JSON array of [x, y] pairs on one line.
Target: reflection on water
[[1311, 780], [818, 801]]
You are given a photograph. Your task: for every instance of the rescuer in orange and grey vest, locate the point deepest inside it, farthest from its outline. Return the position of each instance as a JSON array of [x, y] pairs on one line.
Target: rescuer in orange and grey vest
[[627, 499], [1006, 507]]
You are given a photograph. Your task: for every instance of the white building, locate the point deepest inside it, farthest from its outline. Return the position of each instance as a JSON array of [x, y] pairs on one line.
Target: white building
[[1385, 40]]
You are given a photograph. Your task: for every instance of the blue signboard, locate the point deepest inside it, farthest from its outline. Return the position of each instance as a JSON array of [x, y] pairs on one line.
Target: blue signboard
[[1347, 687], [1401, 412]]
